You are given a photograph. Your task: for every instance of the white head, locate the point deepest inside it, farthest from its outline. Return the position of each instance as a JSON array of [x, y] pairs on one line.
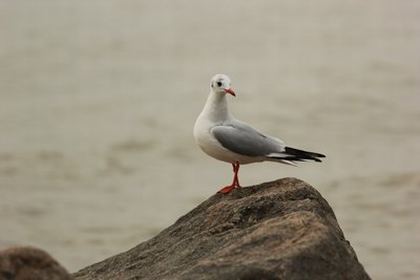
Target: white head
[[220, 83]]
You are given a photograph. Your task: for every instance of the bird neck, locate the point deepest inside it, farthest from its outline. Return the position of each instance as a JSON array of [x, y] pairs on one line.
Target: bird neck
[[216, 107]]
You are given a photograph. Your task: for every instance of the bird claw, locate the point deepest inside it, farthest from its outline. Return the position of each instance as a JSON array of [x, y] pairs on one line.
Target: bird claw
[[228, 189]]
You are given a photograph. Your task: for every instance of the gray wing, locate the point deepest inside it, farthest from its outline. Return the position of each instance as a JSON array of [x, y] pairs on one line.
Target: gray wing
[[245, 140]]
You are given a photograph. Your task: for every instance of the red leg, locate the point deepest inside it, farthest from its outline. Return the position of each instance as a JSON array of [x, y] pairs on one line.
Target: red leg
[[235, 182]]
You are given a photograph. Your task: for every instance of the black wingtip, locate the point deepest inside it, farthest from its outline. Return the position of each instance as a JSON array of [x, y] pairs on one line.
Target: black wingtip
[[303, 154], [295, 159]]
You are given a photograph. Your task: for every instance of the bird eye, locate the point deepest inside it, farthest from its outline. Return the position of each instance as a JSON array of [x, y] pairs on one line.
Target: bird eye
[[219, 84]]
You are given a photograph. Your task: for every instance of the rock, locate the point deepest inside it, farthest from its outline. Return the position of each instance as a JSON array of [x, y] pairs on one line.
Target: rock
[[278, 230], [28, 263]]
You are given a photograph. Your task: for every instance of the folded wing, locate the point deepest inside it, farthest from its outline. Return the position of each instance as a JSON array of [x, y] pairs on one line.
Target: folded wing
[[243, 139]]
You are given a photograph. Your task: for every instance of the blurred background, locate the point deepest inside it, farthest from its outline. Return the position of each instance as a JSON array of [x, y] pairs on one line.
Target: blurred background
[[98, 101]]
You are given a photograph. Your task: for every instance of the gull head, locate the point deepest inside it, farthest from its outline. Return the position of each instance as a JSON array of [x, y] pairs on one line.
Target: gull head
[[220, 83]]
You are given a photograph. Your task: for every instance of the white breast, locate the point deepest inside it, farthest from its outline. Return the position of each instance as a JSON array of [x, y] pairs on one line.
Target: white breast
[[215, 112], [209, 144]]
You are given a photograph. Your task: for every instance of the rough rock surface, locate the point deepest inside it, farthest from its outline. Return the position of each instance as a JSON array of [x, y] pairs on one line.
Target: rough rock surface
[[28, 263], [277, 230]]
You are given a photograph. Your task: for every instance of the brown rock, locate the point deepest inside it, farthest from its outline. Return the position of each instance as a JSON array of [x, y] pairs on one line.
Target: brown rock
[[28, 263], [278, 230]]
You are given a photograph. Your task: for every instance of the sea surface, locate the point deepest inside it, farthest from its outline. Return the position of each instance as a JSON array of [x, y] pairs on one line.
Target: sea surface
[[98, 100]]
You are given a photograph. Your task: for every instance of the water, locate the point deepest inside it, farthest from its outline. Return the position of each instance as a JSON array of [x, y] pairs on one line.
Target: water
[[98, 101]]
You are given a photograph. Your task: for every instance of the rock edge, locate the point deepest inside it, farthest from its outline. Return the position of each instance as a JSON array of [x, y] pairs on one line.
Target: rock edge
[[277, 230]]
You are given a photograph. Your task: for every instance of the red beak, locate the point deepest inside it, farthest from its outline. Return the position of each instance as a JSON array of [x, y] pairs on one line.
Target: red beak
[[230, 91]]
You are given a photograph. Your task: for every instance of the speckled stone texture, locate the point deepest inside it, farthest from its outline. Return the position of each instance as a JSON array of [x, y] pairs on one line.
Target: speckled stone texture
[[28, 263]]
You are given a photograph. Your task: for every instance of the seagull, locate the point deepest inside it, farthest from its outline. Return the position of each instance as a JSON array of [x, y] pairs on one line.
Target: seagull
[[223, 137]]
